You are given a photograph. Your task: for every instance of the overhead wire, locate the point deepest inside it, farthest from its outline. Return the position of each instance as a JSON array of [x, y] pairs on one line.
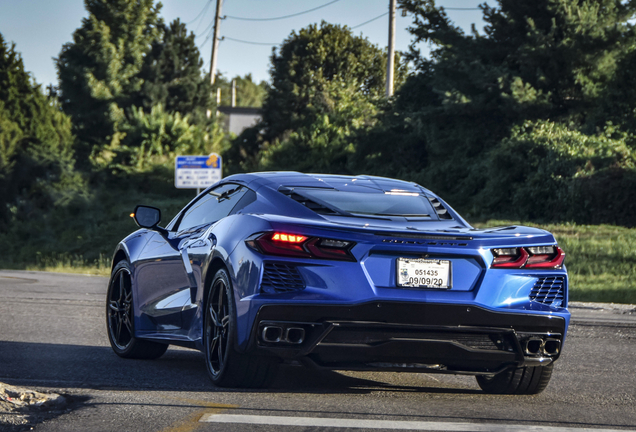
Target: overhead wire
[[203, 11], [371, 20], [248, 42], [281, 17]]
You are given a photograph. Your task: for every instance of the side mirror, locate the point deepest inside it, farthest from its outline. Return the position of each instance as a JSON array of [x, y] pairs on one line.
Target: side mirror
[[147, 217]]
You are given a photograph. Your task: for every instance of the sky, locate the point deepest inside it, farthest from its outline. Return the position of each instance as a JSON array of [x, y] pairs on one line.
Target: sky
[[39, 28]]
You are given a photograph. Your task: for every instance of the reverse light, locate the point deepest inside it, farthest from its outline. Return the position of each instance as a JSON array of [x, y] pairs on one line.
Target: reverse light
[[542, 258], [300, 246], [535, 257]]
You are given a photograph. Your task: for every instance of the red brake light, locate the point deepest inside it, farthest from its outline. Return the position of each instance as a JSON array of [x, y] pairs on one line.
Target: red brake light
[[281, 244], [300, 246], [509, 258], [290, 238], [535, 257]]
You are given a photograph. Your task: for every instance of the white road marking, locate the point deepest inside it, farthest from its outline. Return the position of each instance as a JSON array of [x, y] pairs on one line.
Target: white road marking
[[385, 424]]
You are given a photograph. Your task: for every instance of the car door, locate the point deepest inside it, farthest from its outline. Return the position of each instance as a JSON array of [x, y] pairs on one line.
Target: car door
[[170, 274]]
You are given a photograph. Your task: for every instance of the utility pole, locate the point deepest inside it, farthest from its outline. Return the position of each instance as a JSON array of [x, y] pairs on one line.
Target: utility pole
[[390, 64], [233, 104], [215, 41]]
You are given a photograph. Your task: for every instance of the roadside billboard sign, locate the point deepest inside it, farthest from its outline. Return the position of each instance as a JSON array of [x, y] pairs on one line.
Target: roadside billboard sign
[[197, 172]]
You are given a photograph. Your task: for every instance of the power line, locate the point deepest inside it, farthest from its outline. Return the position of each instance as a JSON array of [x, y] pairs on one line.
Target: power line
[[459, 9], [386, 13], [206, 31], [281, 17], [203, 11], [248, 42], [371, 20]]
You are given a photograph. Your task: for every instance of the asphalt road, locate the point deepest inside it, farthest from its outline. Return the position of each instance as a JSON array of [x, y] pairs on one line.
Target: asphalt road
[[53, 338]]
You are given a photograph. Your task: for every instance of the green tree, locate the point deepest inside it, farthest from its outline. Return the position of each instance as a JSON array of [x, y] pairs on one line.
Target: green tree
[[248, 92], [36, 155], [543, 59], [326, 87], [172, 76], [99, 72]]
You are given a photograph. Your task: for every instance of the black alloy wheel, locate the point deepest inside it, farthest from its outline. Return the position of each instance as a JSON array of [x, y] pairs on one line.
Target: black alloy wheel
[[120, 318], [217, 327], [120, 309], [226, 366]]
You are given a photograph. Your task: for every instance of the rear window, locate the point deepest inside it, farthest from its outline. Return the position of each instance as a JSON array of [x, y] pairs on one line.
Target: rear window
[[388, 204]]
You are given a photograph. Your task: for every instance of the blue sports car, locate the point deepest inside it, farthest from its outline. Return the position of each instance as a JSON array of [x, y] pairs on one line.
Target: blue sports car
[[339, 272]]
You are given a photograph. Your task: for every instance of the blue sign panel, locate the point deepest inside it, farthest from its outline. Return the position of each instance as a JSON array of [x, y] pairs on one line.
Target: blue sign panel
[[197, 172]]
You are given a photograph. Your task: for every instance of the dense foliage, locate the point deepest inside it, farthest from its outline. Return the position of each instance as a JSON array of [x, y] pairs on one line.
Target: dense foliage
[[36, 154], [248, 92], [327, 86], [127, 77], [481, 100]]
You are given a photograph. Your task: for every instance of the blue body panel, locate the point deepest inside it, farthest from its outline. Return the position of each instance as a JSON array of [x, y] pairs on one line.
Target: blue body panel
[[171, 270]]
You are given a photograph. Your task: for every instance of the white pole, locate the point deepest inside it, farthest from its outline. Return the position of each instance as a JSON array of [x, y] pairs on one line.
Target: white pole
[[390, 64]]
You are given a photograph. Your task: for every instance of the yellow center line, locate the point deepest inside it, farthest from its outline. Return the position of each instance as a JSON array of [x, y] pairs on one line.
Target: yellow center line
[[191, 422]]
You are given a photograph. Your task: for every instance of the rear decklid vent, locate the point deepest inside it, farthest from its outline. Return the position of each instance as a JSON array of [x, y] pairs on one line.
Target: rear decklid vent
[[439, 208]]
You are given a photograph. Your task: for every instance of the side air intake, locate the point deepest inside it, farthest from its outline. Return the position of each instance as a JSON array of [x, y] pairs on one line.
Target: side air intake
[[281, 278], [549, 291]]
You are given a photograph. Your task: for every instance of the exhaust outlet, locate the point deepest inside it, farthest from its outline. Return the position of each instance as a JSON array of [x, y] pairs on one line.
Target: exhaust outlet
[[552, 347], [533, 346], [295, 335], [272, 334]]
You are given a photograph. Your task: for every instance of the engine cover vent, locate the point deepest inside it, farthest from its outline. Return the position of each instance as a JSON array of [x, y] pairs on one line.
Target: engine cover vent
[[439, 208]]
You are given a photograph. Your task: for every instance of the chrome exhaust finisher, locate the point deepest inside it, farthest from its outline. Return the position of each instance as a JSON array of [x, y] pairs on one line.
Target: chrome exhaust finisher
[[534, 346], [552, 347], [295, 335], [272, 334]]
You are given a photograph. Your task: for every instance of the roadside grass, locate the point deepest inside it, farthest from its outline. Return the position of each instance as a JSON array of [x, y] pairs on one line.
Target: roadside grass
[[81, 236], [601, 259], [65, 263]]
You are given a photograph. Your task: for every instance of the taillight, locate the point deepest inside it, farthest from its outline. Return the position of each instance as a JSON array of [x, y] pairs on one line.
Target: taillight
[[300, 246], [545, 257], [536, 257], [509, 257]]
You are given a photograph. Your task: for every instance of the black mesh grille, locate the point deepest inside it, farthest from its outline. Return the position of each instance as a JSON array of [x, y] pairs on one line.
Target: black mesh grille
[[279, 278], [439, 209], [549, 290]]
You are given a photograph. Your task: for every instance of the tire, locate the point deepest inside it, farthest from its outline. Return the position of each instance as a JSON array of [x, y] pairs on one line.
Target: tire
[[521, 381], [226, 367], [120, 318]]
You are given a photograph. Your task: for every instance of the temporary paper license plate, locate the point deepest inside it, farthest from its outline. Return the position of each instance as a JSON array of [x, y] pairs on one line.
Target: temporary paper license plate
[[423, 273]]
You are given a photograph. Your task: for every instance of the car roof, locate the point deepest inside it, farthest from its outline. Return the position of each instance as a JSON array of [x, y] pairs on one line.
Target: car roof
[[360, 183]]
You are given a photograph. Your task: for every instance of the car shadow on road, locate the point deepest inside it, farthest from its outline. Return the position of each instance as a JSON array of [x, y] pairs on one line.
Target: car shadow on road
[[97, 367]]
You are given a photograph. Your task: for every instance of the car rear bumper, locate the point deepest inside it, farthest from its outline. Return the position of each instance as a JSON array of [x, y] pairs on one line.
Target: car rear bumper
[[406, 336]]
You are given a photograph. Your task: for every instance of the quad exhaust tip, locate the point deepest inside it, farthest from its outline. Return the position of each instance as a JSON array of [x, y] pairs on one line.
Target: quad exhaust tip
[[272, 334], [278, 334], [549, 347]]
